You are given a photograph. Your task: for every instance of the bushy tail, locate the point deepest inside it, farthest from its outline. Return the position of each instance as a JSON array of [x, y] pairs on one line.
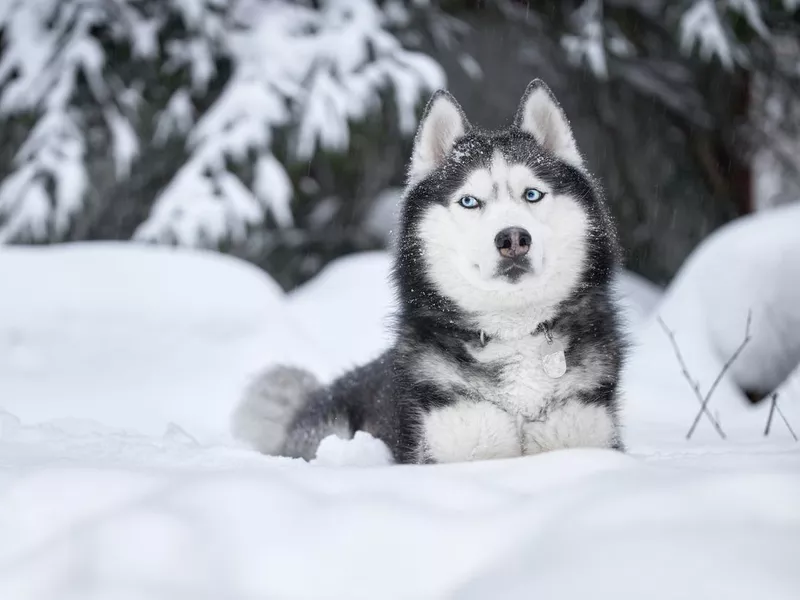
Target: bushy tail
[[269, 405]]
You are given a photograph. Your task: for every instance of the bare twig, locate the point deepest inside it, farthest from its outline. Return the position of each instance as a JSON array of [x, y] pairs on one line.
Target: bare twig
[[773, 403], [772, 410], [692, 382], [782, 416], [724, 370]]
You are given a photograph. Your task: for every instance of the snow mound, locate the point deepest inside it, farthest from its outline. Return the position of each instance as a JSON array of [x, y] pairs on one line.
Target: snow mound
[[349, 305], [639, 296], [361, 451], [763, 276], [137, 336], [749, 266]]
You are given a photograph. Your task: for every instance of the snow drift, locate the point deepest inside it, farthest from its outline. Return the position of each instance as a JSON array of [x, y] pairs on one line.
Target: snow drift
[[119, 366], [137, 336], [749, 267]]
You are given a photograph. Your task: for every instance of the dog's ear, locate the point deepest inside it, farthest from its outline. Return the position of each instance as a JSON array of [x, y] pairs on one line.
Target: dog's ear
[[443, 122], [540, 114]]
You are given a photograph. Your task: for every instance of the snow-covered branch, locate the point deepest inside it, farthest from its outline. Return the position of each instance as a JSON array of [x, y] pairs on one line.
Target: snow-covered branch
[[310, 71], [587, 43], [50, 50], [222, 77]]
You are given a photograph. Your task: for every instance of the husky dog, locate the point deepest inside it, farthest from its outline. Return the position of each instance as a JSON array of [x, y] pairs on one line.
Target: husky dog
[[508, 339]]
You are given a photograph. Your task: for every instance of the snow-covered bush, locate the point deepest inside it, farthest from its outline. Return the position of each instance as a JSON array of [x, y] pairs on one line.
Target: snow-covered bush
[[246, 86], [317, 69]]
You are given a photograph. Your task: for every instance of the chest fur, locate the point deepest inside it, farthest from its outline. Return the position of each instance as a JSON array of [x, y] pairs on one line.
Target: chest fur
[[515, 377], [509, 374]]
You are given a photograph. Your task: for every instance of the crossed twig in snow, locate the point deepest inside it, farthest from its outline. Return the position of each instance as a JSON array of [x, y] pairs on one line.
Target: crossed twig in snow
[[724, 370], [693, 383], [772, 410]]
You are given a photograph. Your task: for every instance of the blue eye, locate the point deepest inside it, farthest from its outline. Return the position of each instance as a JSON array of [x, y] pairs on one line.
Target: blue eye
[[533, 195], [469, 202]]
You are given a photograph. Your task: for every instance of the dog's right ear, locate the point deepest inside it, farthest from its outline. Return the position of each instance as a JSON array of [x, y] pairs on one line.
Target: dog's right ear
[[443, 122]]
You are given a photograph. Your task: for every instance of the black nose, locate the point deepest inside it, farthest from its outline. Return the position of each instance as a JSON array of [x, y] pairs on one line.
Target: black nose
[[512, 242]]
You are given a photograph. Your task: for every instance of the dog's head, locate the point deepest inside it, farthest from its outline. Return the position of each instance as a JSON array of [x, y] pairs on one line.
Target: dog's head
[[507, 217]]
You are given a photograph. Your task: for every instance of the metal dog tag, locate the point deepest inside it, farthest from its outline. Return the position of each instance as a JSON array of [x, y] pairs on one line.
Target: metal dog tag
[[554, 360]]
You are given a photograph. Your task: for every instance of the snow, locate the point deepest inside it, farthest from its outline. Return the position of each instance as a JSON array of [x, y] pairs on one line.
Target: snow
[[362, 451], [348, 305], [563, 523], [701, 25], [120, 364], [750, 10], [749, 266], [136, 337], [176, 118], [588, 43], [54, 148], [124, 142], [673, 535], [706, 24]]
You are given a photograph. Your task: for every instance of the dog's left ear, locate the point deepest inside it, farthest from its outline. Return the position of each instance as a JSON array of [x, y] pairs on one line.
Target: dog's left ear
[[540, 115]]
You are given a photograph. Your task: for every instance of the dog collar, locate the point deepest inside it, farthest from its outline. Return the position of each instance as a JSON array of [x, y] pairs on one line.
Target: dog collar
[[543, 327], [553, 356]]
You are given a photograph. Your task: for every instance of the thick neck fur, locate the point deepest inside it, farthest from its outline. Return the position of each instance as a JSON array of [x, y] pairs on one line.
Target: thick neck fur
[[429, 316]]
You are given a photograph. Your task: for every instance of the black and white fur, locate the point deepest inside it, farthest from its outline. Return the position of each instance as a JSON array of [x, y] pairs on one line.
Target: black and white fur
[[464, 379]]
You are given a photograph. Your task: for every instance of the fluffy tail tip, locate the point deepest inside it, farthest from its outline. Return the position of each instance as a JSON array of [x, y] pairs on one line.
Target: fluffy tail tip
[[268, 405]]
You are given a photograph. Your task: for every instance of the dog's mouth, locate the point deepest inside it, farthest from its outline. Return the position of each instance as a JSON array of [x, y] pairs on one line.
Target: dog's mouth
[[509, 270], [513, 269]]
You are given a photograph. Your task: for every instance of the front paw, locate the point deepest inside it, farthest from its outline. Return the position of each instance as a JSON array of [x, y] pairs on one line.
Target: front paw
[[571, 425], [468, 431]]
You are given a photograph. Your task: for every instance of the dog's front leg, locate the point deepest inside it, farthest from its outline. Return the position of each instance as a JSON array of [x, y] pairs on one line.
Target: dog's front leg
[[468, 430], [572, 424]]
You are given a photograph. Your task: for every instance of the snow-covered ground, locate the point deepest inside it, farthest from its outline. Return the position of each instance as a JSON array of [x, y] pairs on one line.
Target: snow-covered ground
[[119, 366]]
